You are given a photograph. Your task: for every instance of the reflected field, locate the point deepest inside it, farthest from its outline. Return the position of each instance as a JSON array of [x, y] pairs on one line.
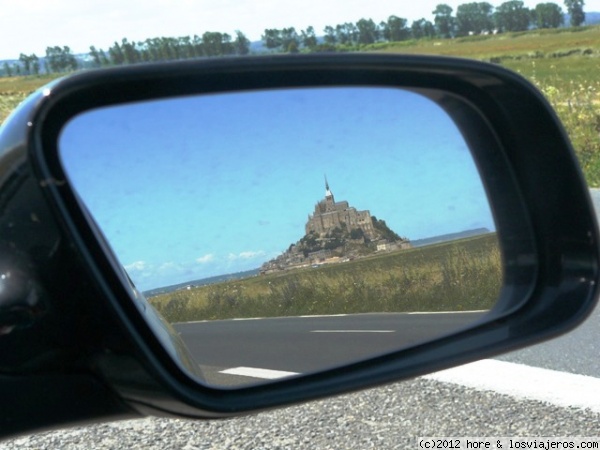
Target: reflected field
[[461, 275]]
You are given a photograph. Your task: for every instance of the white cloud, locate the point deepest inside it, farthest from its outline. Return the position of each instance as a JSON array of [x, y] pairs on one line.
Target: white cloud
[[249, 255], [206, 258], [169, 266], [138, 265], [246, 255]]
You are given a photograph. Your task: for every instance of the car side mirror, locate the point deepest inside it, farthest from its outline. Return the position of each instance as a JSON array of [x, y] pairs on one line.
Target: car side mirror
[[230, 235]]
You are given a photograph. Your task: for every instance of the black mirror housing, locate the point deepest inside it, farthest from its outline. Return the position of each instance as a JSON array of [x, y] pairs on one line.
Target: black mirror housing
[[86, 321]]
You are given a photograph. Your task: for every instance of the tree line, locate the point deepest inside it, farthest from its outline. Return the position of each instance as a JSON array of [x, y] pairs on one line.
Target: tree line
[[469, 19], [61, 59]]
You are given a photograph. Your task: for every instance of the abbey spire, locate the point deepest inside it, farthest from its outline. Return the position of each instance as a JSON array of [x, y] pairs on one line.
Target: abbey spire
[[328, 193]]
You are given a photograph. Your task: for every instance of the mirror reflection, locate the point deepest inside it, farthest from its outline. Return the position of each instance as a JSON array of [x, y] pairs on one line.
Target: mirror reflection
[[345, 222]]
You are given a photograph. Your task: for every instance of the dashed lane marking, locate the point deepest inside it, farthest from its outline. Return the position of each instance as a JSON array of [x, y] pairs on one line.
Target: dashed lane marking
[[323, 315], [353, 331], [254, 372], [475, 311]]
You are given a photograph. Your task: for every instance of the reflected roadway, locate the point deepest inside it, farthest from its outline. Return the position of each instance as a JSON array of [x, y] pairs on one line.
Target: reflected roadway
[[292, 345]]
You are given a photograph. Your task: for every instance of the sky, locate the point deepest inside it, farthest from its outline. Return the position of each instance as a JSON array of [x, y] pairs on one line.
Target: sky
[[31, 26], [195, 187]]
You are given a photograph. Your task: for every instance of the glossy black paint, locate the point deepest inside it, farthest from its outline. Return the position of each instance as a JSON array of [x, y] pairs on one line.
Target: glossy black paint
[[86, 327]]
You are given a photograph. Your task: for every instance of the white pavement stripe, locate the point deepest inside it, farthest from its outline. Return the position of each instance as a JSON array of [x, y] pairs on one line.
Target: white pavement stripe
[[450, 312], [526, 382], [323, 315], [353, 331], [254, 372]]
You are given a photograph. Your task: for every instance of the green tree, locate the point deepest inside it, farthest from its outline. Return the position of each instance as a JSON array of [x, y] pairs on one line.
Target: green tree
[[346, 33], [198, 46], [34, 64], [7, 69], [227, 46], [330, 36], [241, 43], [31, 64], [290, 41], [444, 22], [548, 15], [395, 29], [474, 18], [217, 44], [575, 10], [170, 48], [512, 16], [286, 39], [384, 230], [186, 48], [309, 38], [368, 32], [152, 50], [25, 61], [422, 28], [104, 61], [116, 54], [60, 59], [272, 38], [129, 51], [95, 54]]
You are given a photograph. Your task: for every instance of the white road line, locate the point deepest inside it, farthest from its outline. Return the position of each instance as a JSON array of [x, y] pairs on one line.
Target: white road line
[[526, 382], [266, 374], [323, 315], [353, 331], [450, 312]]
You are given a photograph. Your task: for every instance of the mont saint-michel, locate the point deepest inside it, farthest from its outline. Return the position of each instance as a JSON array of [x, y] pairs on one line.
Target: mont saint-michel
[[337, 232]]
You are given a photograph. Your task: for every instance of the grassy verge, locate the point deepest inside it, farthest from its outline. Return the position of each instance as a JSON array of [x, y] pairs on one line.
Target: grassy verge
[[13, 90], [575, 97], [457, 276], [508, 46]]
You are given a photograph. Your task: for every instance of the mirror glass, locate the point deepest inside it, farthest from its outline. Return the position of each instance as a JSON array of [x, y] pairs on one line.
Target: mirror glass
[[287, 231]]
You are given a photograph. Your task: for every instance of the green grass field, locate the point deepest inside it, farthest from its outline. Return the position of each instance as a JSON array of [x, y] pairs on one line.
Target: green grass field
[[460, 275], [563, 63], [518, 45], [13, 90]]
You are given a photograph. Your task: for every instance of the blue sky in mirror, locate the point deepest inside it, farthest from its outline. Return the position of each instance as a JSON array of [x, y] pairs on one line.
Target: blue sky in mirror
[[195, 187]]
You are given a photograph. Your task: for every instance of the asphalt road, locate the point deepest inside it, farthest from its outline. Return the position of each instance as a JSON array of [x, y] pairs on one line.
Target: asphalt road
[[310, 343]]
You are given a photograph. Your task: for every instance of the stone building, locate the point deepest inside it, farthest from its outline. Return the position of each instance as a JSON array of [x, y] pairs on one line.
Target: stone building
[[330, 214], [331, 237]]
